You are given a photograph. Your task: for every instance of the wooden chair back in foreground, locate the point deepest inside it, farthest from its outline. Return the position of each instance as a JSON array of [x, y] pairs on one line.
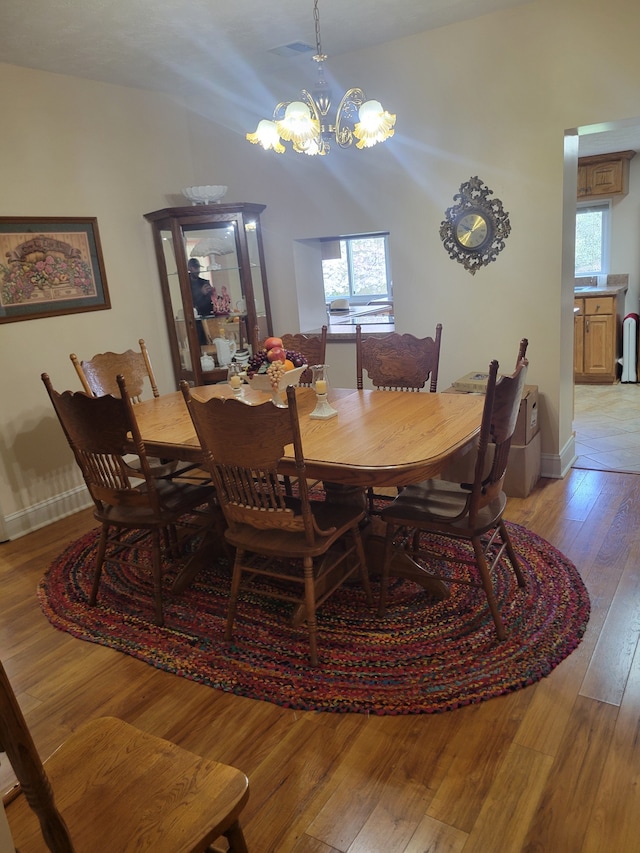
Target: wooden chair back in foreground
[[104, 436], [469, 512], [110, 786], [98, 374], [398, 362], [312, 347], [276, 536]]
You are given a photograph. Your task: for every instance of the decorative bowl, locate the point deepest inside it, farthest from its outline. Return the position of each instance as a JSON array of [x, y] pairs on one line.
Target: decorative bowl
[[222, 244], [262, 382], [205, 195]]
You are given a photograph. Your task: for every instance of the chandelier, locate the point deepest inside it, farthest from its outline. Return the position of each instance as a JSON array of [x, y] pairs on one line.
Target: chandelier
[[309, 124]]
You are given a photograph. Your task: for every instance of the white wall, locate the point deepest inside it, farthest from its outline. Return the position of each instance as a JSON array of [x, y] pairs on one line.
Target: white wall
[[70, 147], [491, 97]]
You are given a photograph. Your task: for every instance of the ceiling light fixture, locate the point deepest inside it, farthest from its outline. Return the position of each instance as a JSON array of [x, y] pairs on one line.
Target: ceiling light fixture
[[309, 125]]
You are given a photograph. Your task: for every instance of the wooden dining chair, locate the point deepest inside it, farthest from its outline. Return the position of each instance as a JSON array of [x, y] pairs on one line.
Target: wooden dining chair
[[289, 540], [98, 374], [312, 347], [98, 377], [111, 786], [398, 362], [104, 436], [468, 512], [395, 362]]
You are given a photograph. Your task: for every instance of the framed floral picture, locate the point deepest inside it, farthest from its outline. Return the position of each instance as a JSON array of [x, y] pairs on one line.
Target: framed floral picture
[[50, 267]]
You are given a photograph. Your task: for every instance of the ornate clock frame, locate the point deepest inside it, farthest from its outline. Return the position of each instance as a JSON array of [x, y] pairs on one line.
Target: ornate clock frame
[[473, 198]]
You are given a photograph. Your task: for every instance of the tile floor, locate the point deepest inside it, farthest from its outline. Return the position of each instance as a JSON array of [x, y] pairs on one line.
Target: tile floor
[[607, 427]]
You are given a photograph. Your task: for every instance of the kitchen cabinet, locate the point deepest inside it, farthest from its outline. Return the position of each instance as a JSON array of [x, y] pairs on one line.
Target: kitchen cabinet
[[226, 239], [597, 336], [604, 175]]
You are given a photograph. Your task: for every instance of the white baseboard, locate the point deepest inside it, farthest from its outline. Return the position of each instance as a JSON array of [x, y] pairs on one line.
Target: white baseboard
[[556, 466], [39, 515]]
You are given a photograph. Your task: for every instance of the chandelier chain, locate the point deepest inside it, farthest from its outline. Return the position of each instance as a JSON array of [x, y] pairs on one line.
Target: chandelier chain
[[319, 57]]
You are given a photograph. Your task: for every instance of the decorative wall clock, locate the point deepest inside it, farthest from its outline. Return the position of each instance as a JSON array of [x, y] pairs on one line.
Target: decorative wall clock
[[475, 228]]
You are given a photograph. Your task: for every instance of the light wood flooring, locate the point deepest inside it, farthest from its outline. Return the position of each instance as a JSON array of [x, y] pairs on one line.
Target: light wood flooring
[[607, 426], [552, 768]]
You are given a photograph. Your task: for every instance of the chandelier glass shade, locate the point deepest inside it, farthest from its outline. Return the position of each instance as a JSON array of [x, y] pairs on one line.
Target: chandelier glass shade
[[311, 125]]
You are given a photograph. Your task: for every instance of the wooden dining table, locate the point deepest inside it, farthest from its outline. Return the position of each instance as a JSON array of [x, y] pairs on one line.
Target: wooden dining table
[[378, 438]]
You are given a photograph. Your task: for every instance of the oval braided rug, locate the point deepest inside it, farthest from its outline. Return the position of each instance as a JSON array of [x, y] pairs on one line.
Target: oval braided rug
[[424, 656]]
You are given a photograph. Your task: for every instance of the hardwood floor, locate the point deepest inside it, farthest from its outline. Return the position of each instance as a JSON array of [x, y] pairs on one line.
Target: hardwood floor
[[553, 768]]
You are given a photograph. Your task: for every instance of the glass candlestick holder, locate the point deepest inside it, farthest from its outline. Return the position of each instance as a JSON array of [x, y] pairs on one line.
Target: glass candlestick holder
[[234, 378], [320, 383]]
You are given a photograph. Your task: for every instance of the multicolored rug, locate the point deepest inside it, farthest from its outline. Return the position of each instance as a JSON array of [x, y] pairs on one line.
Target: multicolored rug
[[425, 656]]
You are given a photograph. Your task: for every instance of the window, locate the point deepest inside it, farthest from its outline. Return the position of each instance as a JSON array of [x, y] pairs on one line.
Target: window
[[592, 239], [356, 268]]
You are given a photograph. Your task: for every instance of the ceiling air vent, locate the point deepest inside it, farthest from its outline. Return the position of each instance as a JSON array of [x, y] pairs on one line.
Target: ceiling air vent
[[293, 49]]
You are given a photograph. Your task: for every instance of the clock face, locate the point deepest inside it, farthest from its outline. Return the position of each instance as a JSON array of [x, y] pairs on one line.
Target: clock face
[[471, 230]]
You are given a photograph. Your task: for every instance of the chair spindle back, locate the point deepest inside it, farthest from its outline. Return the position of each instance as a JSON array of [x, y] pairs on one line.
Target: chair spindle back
[[242, 447], [100, 431], [500, 414]]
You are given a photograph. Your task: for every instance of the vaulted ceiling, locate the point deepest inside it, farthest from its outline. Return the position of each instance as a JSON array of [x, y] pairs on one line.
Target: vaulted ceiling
[[211, 47], [180, 46]]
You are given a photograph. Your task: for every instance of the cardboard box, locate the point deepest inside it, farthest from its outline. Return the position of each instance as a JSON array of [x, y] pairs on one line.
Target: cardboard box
[[474, 382], [527, 424], [523, 470]]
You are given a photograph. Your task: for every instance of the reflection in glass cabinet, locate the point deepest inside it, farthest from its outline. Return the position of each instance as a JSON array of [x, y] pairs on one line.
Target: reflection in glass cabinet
[[214, 286]]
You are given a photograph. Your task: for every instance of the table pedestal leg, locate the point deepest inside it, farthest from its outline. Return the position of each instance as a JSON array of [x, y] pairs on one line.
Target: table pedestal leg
[[373, 541], [402, 567], [211, 547], [338, 493]]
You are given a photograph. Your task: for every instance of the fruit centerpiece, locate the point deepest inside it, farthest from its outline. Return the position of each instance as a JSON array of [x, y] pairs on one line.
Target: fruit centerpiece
[[273, 368]]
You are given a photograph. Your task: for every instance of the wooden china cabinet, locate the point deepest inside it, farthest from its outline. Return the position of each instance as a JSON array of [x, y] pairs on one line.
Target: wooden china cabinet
[[227, 241]]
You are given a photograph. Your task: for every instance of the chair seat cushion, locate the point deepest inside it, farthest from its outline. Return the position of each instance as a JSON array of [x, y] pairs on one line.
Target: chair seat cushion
[[434, 504], [176, 497], [328, 516]]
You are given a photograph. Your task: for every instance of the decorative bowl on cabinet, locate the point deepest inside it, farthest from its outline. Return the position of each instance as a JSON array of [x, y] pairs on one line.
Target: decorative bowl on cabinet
[[205, 195]]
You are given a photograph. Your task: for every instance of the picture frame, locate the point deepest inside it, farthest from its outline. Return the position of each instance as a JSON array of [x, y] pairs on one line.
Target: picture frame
[[50, 266]]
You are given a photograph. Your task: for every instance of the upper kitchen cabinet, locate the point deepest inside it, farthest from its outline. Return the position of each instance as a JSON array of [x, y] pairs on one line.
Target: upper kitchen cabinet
[[226, 241], [604, 175]]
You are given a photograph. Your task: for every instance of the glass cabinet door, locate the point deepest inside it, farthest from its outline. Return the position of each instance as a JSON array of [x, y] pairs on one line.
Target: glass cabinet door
[[211, 266], [263, 318], [177, 308], [216, 287]]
